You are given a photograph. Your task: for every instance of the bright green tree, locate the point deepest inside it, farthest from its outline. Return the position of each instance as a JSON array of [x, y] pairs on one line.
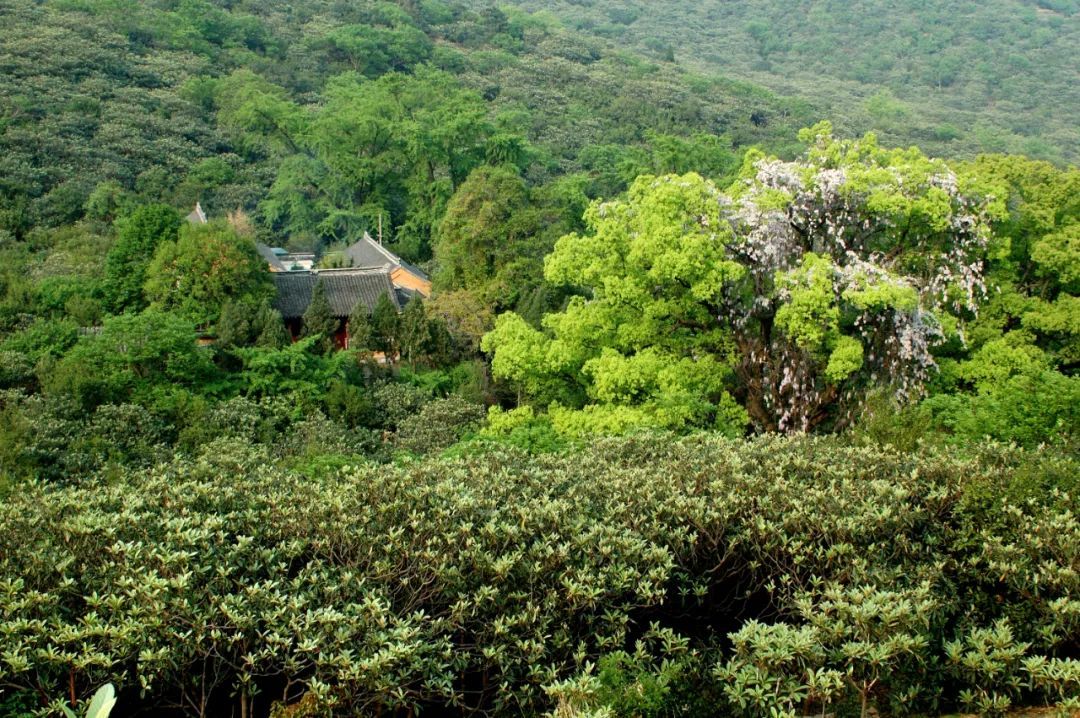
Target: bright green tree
[[803, 286], [108, 201], [1014, 378], [1035, 259]]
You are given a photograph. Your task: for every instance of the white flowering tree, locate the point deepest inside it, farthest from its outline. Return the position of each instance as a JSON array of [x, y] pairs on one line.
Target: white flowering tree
[[792, 293]]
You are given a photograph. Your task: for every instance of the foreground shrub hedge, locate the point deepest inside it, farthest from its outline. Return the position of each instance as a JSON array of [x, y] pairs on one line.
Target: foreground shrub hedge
[[648, 575]]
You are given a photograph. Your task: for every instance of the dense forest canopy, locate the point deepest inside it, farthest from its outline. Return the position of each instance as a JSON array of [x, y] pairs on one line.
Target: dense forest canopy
[[441, 357], [222, 102], [955, 78]]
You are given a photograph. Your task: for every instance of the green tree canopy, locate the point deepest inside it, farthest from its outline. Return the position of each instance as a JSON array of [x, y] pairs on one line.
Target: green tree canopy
[[393, 148], [272, 332], [373, 50], [360, 327], [208, 266], [385, 327], [258, 114], [1035, 259], [319, 319], [137, 237], [1015, 377], [487, 226], [235, 327], [415, 330], [131, 356], [804, 285]]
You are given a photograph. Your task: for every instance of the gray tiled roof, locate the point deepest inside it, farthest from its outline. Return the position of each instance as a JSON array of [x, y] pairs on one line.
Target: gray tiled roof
[[344, 288], [366, 252]]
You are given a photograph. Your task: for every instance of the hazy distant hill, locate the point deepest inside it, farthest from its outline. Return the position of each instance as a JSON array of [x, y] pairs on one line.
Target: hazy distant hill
[[954, 77]]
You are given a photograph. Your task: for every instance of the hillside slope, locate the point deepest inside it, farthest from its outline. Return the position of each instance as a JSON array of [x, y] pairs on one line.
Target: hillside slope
[[99, 97], [955, 78]]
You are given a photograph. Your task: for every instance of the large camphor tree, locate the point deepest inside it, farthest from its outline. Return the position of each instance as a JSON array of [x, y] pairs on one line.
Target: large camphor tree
[[780, 302]]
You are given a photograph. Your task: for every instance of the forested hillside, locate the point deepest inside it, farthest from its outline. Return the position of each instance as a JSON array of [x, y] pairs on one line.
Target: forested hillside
[[175, 102], [429, 357], [955, 78]]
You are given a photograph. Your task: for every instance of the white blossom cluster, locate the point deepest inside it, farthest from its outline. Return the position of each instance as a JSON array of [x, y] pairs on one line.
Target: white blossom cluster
[[826, 214], [913, 335]]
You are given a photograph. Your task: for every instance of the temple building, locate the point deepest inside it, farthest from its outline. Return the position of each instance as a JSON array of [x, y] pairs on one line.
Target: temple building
[[345, 289], [369, 272]]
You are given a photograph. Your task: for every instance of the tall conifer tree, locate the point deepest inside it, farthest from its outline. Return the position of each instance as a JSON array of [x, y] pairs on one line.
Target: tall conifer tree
[[319, 318], [385, 327]]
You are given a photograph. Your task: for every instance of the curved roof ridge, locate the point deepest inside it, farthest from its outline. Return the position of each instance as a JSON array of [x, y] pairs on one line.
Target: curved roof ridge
[[394, 259], [347, 270]]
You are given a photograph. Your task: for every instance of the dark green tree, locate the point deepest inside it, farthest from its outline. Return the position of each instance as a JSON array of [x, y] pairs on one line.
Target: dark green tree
[[135, 357], [385, 327], [138, 235], [272, 332], [373, 51], [414, 332], [487, 227], [319, 319], [258, 114], [360, 327], [107, 202], [441, 348], [235, 328], [507, 149], [274, 335]]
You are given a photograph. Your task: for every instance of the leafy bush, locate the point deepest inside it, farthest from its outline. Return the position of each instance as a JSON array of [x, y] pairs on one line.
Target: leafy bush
[[1028, 409], [133, 355], [43, 338], [491, 582], [16, 370], [522, 428], [256, 421], [315, 435], [350, 404], [638, 682], [439, 425], [395, 403], [988, 659], [101, 704], [299, 369], [51, 439], [776, 669]]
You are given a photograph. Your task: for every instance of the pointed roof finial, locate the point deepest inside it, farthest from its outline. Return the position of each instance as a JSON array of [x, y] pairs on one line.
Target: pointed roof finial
[[197, 216]]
